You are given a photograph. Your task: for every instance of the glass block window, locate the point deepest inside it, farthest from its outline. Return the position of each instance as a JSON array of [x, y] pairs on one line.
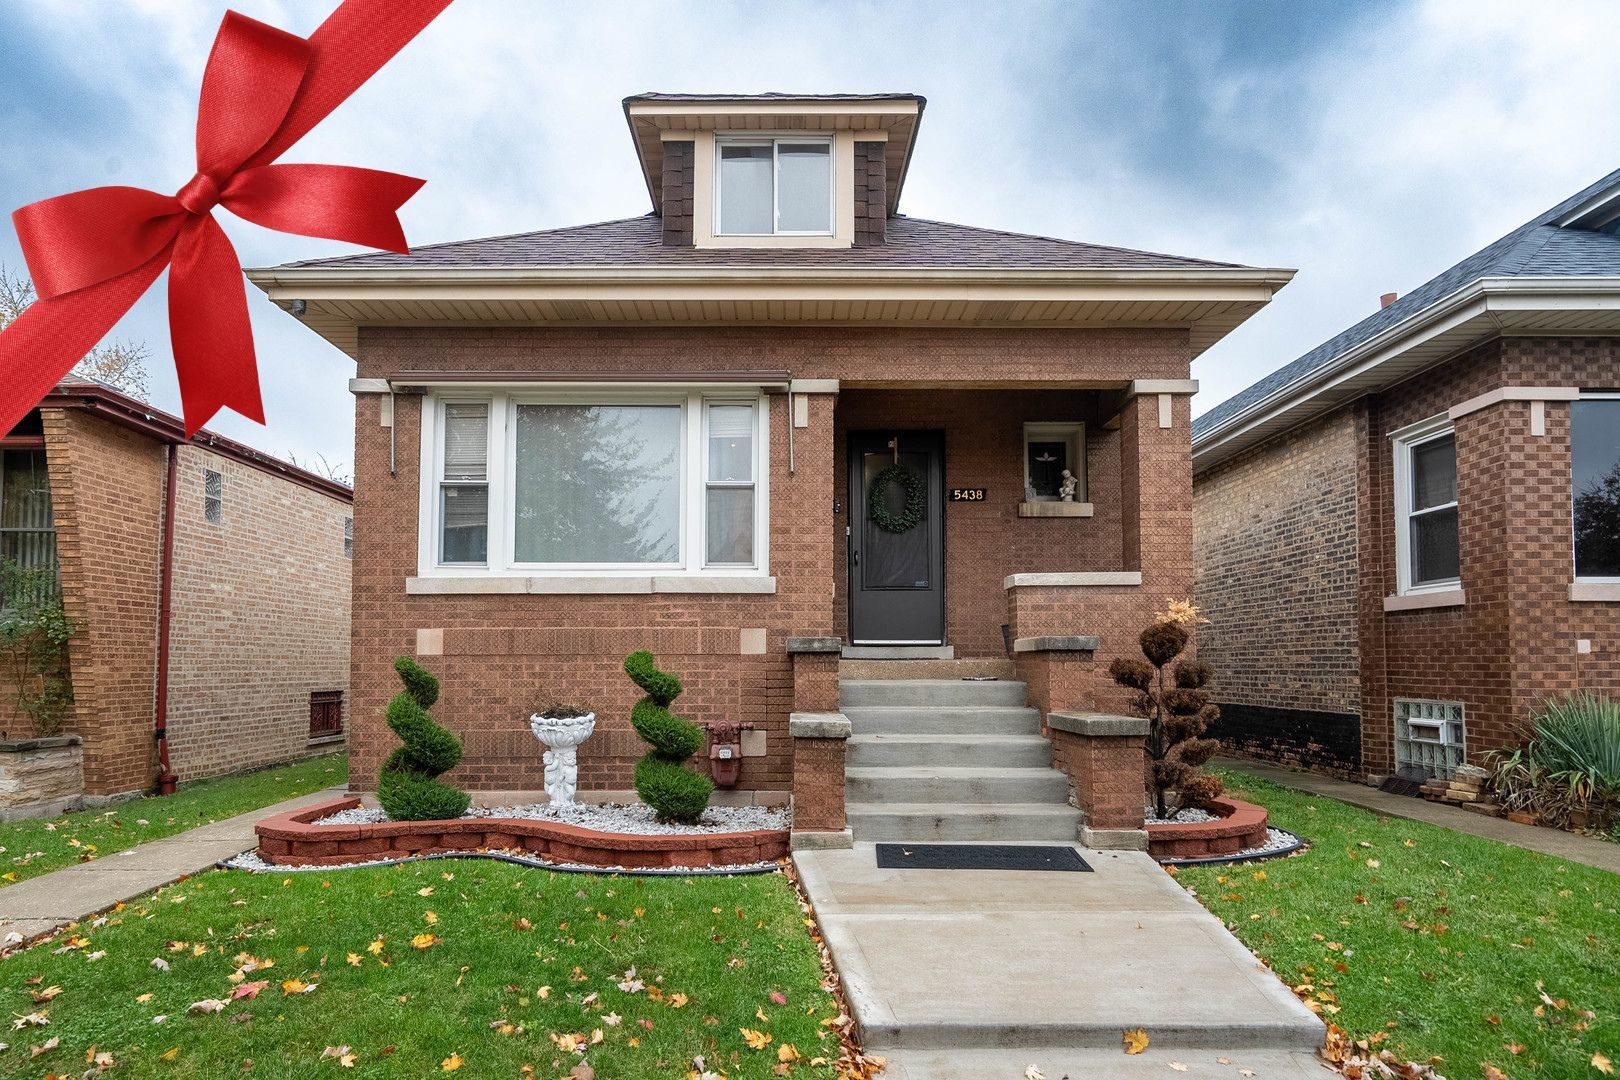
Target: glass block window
[[1429, 736], [348, 538], [213, 497]]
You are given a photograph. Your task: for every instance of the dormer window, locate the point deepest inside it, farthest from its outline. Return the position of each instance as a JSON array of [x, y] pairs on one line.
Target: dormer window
[[774, 186]]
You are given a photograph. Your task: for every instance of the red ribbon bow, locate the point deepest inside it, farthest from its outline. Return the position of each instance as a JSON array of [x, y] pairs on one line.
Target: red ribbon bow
[[93, 253]]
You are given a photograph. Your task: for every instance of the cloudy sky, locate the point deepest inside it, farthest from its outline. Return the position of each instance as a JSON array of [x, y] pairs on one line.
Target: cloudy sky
[[1368, 145]]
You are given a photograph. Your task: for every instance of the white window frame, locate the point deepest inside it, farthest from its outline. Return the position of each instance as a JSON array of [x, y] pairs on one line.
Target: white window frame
[[1403, 443], [436, 481], [753, 484], [501, 560], [1573, 554], [773, 140], [1072, 432]]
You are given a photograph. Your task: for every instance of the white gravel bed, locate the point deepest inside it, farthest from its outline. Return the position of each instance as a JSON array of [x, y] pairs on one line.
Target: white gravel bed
[[1188, 816], [636, 820], [1276, 840], [250, 861]]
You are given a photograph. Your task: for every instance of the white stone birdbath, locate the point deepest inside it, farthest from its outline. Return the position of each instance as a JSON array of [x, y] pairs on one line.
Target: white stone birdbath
[[561, 736]]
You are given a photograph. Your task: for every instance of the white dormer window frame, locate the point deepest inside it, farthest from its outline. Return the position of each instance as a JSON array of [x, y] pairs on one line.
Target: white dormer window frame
[[775, 141]]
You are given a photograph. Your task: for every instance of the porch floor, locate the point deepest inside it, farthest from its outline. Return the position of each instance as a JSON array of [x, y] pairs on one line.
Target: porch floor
[[1022, 967]]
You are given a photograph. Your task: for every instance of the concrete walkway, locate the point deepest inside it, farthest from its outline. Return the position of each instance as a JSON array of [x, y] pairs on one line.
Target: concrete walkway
[[49, 902], [1555, 842], [979, 973]]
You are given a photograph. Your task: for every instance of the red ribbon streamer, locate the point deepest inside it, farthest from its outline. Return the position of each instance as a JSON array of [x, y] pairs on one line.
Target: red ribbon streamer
[[93, 253]]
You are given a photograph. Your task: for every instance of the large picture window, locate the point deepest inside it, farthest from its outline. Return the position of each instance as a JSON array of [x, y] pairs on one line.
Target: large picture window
[[1427, 541], [1595, 481], [775, 186], [572, 482]]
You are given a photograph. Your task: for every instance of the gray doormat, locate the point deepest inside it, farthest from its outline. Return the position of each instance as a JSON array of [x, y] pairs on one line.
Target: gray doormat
[[980, 857]]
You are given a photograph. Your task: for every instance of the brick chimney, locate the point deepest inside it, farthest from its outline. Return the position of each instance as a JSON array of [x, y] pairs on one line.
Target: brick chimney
[[1387, 299]]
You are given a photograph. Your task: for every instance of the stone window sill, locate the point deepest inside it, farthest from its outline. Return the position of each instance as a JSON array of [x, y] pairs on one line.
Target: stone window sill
[[326, 740], [1096, 578], [1594, 591], [1055, 510], [1442, 598], [536, 585]]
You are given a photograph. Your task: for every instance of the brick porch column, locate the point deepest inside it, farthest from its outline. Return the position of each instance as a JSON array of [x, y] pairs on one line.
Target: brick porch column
[[819, 732], [1106, 763]]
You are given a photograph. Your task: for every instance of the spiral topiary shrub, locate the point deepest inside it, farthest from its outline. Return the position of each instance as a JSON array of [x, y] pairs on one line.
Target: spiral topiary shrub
[[407, 787], [675, 792]]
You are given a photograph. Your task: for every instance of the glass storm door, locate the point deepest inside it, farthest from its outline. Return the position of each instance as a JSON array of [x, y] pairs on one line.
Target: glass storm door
[[897, 538]]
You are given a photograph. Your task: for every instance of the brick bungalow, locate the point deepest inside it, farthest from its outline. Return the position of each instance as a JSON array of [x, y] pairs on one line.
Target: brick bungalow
[[665, 432], [1383, 528], [220, 616]]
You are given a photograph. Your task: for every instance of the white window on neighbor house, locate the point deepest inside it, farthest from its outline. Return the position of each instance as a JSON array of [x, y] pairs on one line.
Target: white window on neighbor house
[[1595, 482], [774, 186], [1049, 449], [213, 497], [1429, 735], [1427, 543], [570, 482]]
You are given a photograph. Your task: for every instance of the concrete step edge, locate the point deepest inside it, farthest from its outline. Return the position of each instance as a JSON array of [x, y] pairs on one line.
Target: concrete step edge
[[1303, 1035], [949, 772]]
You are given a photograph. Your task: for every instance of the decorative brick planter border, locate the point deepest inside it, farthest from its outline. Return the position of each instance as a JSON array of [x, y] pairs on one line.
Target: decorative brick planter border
[[291, 840], [1241, 826]]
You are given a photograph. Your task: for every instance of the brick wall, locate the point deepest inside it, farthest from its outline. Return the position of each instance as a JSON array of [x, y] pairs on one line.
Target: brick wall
[[260, 617], [1274, 540], [107, 499], [1514, 641], [502, 654]]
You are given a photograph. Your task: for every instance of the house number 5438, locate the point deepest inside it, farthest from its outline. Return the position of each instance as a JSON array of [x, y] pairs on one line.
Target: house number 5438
[[967, 494]]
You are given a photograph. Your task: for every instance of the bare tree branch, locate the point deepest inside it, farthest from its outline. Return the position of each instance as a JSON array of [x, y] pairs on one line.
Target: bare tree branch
[[119, 364]]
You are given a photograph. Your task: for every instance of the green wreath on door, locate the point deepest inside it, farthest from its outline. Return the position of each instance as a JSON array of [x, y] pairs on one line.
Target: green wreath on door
[[877, 504]]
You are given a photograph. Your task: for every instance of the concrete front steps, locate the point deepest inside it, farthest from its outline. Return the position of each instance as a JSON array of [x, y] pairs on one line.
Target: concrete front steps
[[1053, 1063], [950, 760]]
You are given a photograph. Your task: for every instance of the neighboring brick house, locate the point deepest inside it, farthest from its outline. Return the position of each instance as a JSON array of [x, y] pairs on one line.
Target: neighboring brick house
[[665, 432], [253, 624], [1384, 526]]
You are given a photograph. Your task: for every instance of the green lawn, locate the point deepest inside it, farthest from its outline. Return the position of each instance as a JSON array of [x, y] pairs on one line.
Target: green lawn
[[521, 963], [31, 848], [1440, 944]]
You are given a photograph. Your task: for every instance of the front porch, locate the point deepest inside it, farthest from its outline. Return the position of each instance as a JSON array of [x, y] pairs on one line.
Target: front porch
[[896, 733]]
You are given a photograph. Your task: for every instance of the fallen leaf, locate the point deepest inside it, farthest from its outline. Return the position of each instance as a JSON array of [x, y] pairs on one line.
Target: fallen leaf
[[1178, 1066], [425, 941], [452, 1063], [355, 960], [249, 990], [778, 998], [50, 1044], [170, 1054], [344, 1055], [42, 996], [756, 1040], [1033, 1073], [207, 1005], [1136, 1040], [1602, 1064]]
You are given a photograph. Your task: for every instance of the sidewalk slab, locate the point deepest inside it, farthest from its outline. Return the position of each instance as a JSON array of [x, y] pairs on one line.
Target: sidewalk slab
[[1586, 850], [1112, 1064], [959, 960], [51, 901]]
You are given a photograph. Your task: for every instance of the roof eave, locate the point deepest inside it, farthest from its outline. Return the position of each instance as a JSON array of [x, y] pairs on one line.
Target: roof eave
[[1492, 299]]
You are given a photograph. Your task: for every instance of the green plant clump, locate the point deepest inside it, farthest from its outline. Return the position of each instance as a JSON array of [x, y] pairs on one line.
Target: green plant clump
[[407, 787], [34, 635], [675, 792], [1568, 770]]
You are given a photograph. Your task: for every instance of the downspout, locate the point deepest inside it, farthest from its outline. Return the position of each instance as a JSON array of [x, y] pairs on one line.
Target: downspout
[[166, 780]]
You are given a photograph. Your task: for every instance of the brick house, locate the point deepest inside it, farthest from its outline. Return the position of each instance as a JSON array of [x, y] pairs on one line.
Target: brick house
[[785, 437], [1383, 528], [220, 616]]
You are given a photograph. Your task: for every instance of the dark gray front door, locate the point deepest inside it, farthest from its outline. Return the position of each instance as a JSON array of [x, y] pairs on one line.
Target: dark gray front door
[[897, 579]]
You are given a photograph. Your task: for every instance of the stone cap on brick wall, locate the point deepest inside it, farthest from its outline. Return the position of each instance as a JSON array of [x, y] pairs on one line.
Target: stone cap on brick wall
[[1058, 643], [44, 742], [815, 644], [818, 725], [1097, 725], [1080, 580]]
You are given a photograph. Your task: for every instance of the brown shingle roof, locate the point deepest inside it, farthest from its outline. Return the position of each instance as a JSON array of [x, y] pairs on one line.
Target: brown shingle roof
[[638, 242]]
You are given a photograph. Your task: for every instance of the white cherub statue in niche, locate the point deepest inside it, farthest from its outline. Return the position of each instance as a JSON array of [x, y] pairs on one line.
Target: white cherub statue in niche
[[1066, 489]]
